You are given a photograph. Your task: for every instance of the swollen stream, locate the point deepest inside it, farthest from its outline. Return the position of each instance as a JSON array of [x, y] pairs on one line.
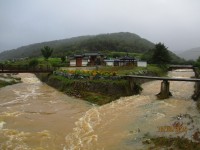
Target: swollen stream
[[34, 116]]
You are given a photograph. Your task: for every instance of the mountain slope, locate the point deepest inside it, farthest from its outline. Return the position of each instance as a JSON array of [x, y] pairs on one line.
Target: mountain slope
[[174, 58], [191, 54], [122, 41]]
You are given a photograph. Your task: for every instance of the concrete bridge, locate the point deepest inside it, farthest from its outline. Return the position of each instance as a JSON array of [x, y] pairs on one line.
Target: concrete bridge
[[26, 69], [165, 85], [173, 67]]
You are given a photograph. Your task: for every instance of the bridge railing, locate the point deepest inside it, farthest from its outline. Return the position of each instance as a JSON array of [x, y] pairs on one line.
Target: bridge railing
[[174, 67], [27, 68]]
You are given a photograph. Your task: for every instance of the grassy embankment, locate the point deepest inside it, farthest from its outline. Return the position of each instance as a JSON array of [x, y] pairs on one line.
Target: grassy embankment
[[129, 70], [107, 87], [8, 81], [36, 62]]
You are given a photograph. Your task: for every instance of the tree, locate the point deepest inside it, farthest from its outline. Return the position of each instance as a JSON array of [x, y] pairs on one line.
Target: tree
[[161, 55], [197, 62], [63, 59], [46, 52], [33, 63]]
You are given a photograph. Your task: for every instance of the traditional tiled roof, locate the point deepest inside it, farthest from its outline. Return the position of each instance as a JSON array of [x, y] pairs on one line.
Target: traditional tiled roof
[[85, 55], [127, 58], [93, 54]]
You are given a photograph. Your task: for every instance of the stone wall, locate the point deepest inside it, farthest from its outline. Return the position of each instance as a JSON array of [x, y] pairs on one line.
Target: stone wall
[[109, 90]]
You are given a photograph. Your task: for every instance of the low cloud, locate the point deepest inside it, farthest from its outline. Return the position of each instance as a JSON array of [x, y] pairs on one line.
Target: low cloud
[[172, 22]]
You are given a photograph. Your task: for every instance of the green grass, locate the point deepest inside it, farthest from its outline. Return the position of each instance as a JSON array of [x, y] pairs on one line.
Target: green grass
[[102, 91], [96, 98], [53, 62], [132, 70], [50, 60], [121, 54], [99, 92], [5, 83]]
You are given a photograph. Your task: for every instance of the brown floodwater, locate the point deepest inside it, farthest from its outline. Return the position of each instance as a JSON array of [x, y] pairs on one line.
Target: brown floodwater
[[37, 117]]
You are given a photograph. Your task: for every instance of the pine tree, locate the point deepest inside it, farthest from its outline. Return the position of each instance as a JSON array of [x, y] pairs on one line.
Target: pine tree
[[46, 52], [161, 55]]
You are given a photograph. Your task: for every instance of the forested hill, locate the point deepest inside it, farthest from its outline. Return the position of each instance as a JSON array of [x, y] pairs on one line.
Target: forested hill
[[123, 41], [191, 54]]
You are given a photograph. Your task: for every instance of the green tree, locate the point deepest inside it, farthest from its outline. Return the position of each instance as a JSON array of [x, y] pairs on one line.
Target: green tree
[[161, 55], [63, 59], [116, 55], [197, 62], [33, 63], [46, 52]]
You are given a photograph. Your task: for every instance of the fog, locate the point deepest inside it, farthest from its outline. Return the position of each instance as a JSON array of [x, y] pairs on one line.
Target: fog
[[172, 22]]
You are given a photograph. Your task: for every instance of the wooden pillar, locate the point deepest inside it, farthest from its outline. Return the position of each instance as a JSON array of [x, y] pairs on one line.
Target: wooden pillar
[[164, 90]]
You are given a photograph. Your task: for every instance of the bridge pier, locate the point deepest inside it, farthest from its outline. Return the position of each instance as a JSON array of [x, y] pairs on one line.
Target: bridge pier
[[134, 86], [196, 95], [164, 90]]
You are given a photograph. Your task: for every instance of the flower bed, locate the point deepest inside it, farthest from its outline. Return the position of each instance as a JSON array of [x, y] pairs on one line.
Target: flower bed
[[87, 74]]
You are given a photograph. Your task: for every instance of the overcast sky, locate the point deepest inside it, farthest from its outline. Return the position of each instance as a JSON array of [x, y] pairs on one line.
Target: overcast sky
[[176, 23]]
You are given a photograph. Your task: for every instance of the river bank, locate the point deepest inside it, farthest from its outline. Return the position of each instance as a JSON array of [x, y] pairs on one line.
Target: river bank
[[97, 87], [98, 92], [8, 79]]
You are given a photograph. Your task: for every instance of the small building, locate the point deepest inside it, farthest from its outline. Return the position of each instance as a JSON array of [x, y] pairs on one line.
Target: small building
[[78, 61], [109, 62], [141, 64], [126, 61], [94, 58], [87, 59]]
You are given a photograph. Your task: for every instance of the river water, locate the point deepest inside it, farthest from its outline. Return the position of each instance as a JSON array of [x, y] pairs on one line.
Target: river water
[[34, 116]]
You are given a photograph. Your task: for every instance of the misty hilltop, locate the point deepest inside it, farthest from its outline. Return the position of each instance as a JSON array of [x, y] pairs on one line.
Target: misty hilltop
[[123, 42], [191, 54]]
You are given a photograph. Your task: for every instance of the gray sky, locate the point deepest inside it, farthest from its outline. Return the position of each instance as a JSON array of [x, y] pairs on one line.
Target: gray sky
[[176, 23]]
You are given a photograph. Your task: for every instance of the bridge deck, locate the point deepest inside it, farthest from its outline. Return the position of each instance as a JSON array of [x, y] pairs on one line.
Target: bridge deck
[[182, 66], [26, 71], [164, 78]]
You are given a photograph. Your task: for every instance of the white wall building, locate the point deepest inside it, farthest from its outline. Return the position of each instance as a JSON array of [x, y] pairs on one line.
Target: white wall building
[[73, 62], [141, 63], [109, 62]]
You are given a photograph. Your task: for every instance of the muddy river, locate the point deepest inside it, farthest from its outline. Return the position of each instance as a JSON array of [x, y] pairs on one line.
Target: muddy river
[[34, 116]]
